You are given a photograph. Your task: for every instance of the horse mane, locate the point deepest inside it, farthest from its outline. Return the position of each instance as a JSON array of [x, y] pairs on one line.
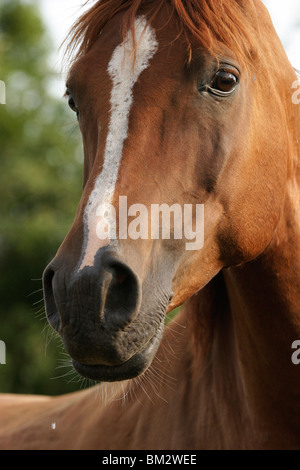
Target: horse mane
[[204, 22]]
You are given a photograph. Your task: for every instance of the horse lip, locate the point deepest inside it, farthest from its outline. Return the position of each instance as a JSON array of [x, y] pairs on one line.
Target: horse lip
[[129, 369], [101, 373]]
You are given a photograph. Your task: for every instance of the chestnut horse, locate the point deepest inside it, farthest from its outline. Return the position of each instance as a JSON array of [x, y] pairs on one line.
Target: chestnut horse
[[179, 102]]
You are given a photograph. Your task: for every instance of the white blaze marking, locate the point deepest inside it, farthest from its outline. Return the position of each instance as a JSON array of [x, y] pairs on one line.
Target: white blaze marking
[[124, 74]]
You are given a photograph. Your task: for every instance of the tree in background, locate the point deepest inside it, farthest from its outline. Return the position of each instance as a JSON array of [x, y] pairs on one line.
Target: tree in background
[[40, 186]]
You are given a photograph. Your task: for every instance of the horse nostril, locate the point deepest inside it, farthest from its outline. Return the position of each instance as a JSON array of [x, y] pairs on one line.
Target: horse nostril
[[122, 301], [49, 299], [111, 293], [120, 277]]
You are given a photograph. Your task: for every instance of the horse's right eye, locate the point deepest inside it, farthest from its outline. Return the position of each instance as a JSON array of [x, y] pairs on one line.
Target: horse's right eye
[[71, 102]]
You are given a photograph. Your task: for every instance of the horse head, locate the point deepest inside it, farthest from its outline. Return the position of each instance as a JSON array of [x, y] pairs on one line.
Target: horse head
[[180, 110]]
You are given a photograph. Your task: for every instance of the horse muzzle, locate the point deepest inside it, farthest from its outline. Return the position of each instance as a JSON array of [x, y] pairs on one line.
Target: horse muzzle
[[99, 314]]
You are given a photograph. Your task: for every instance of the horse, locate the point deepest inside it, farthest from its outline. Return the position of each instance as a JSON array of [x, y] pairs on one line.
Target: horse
[[180, 103]]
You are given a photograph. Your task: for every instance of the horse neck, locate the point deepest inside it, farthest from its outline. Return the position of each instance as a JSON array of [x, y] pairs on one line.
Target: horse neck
[[264, 298], [234, 362]]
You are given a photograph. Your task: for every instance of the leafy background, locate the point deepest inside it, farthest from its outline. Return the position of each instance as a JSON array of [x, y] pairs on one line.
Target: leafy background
[[40, 187]]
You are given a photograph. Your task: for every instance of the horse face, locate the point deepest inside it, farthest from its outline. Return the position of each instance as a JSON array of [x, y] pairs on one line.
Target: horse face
[[157, 130]]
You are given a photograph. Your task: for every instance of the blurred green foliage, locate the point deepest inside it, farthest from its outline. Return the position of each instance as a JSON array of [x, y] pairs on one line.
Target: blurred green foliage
[[40, 186]]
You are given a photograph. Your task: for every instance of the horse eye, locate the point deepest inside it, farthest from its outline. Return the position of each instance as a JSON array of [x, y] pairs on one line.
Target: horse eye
[[224, 82], [71, 102]]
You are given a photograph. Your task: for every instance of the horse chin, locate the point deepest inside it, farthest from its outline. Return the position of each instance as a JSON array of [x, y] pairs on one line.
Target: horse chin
[[129, 369]]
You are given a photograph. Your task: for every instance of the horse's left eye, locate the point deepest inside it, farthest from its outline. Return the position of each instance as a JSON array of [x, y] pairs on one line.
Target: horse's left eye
[[224, 82]]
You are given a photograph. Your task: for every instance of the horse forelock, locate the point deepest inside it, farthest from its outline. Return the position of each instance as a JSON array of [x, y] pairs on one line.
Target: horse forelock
[[204, 23]]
